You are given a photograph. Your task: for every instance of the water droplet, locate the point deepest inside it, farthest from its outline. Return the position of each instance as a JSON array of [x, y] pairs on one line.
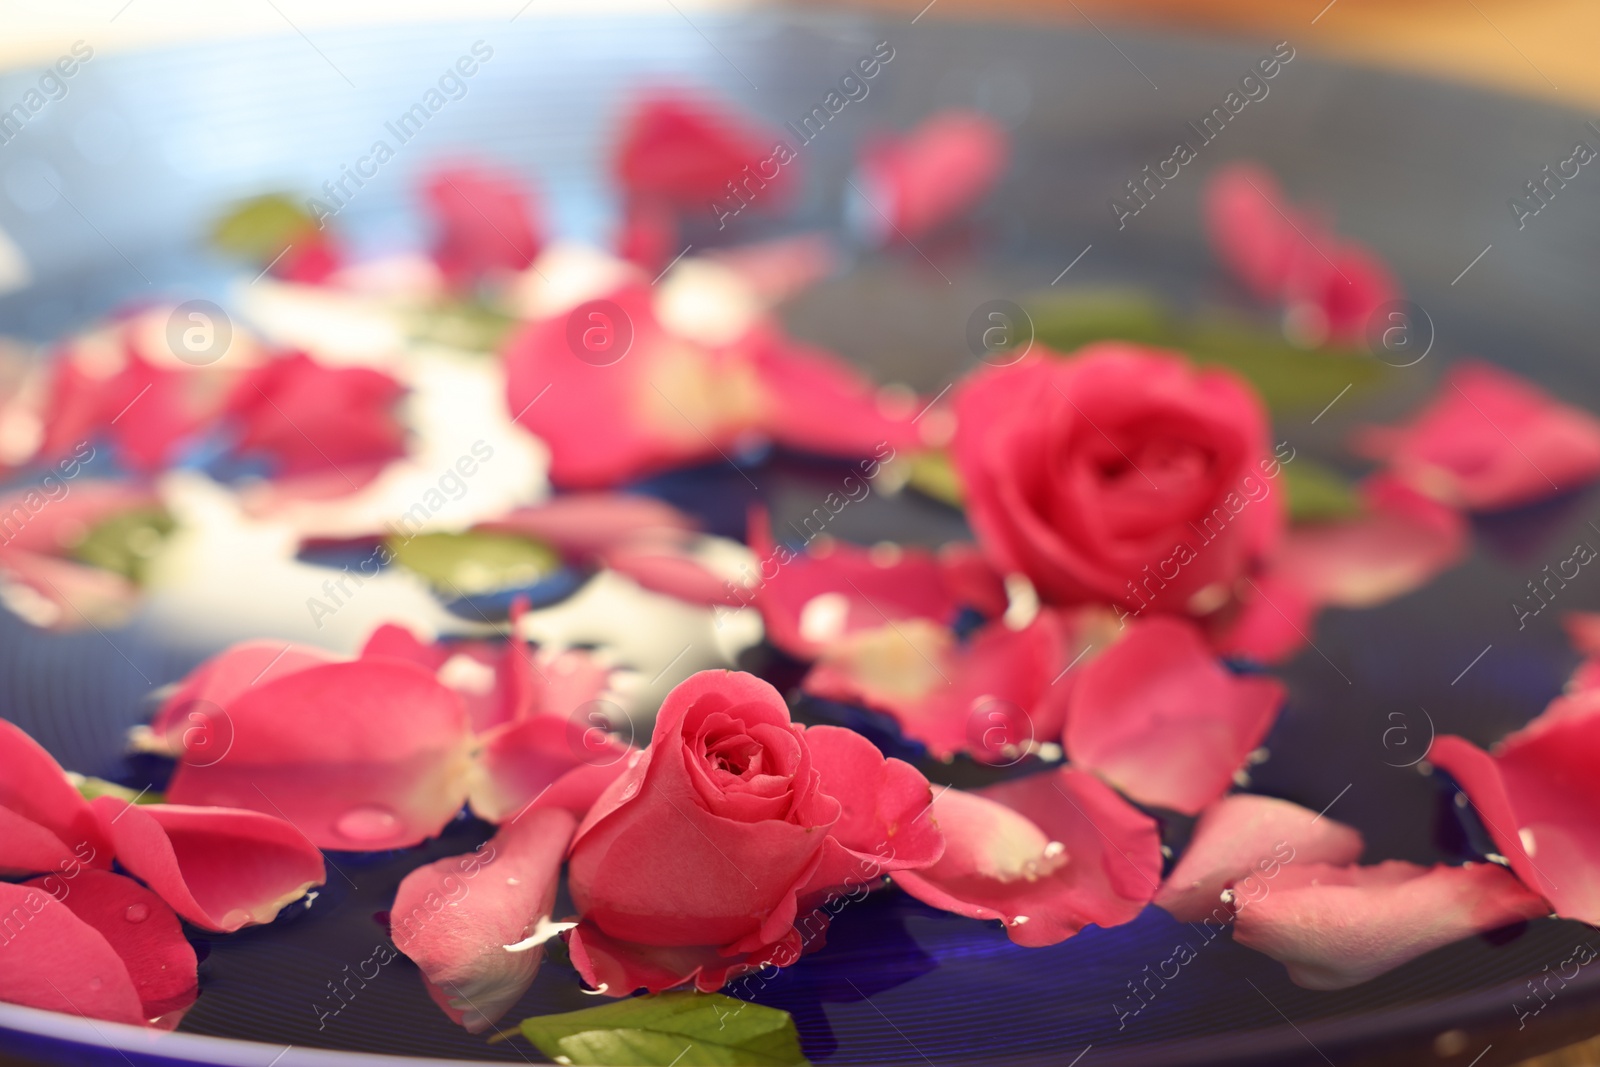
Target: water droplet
[[1227, 896], [1054, 849], [367, 824], [513, 881], [631, 791], [137, 913], [96, 983], [1018, 920], [1529, 845]]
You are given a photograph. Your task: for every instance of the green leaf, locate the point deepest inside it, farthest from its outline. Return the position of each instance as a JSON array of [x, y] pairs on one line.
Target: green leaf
[[1285, 376], [125, 542], [99, 787], [1318, 493], [681, 1029], [462, 564], [260, 228], [932, 474], [462, 324]]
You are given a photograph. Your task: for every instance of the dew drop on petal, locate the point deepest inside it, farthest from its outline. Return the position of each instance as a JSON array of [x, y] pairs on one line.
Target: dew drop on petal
[[96, 983], [137, 913], [367, 823]]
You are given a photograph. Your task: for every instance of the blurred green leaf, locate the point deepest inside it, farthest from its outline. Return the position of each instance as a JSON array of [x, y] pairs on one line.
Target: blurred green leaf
[[468, 563], [679, 1029], [1318, 493], [462, 324], [1285, 376], [125, 542], [260, 228], [932, 474]]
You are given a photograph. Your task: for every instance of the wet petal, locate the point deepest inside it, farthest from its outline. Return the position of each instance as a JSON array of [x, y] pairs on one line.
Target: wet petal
[[219, 868], [58, 962], [1047, 855], [366, 755], [1246, 836], [457, 916], [143, 931]]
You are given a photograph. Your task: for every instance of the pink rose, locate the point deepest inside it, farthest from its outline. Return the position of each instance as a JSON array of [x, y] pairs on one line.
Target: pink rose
[[1121, 474], [716, 851], [486, 222]]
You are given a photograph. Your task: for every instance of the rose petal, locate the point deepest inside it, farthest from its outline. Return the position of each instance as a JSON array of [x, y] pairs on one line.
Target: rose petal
[[1490, 440], [1241, 834], [361, 756], [1400, 543], [315, 419], [35, 520], [485, 222], [58, 962], [831, 590], [617, 967], [40, 801], [936, 173], [142, 930], [886, 819], [1161, 719], [220, 868], [1047, 855], [817, 403], [1268, 621], [682, 151], [219, 680], [993, 696], [457, 916], [1335, 927], [1538, 797], [555, 761]]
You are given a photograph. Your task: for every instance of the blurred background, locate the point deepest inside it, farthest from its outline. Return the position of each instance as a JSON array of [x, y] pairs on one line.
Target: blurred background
[[1541, 50]]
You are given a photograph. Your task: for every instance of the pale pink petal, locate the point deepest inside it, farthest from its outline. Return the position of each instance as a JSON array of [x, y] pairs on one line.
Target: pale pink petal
[[220, 868], [457, 917], [1249, 837], [1047, 855], [1335, 927], [1162, 720], [1401, 542]]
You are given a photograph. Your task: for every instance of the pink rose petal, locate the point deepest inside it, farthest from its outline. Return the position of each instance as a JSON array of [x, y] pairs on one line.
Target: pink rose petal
[[1539, 799], [1490, 440], [142, 930], [58, 962], [886, 820], [44, 810], [1047, 855], [1335, 927], [362, 756], [457, 917], [934, 174], [220, 868], [1162, 720], [1245, 836], [1400, 543]]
